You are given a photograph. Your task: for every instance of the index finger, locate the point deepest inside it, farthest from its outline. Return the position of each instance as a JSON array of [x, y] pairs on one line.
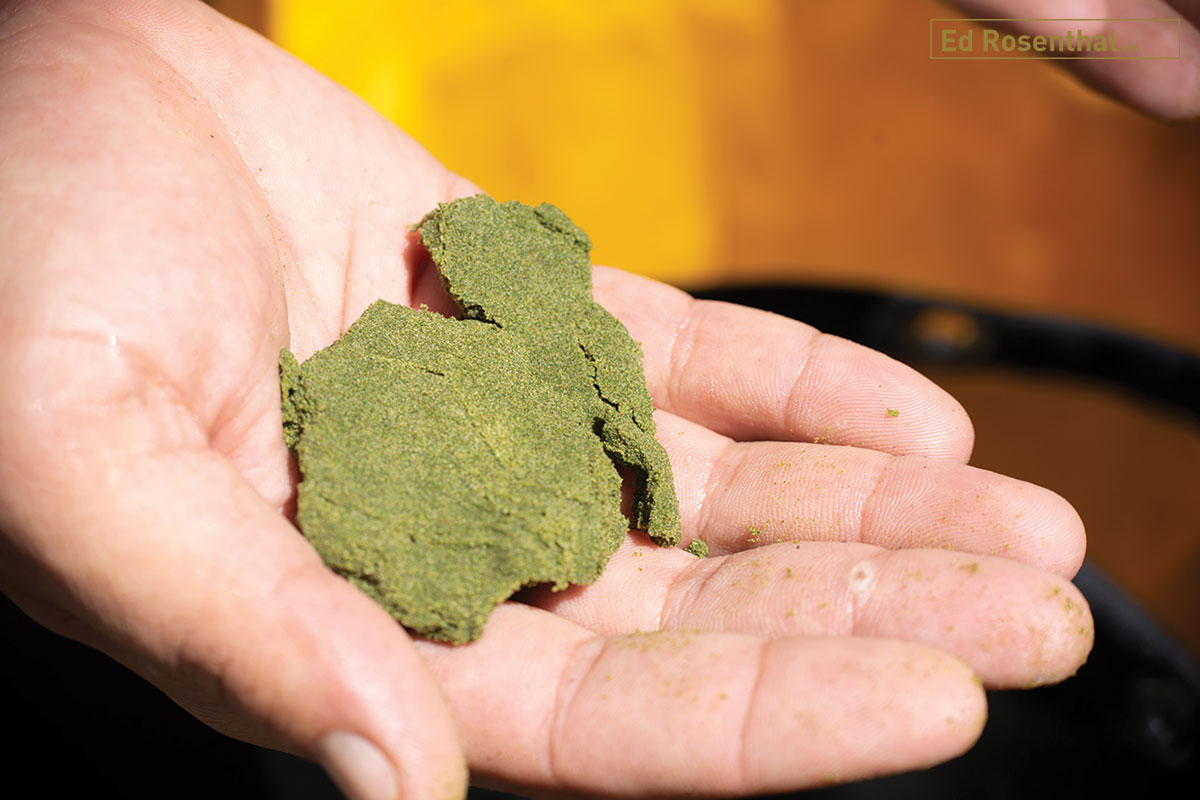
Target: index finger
[[751, 374]]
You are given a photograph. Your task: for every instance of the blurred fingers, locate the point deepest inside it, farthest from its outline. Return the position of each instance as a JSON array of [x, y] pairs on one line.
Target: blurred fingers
[[1157, 82]]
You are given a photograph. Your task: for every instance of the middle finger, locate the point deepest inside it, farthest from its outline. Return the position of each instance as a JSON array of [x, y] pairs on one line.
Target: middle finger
[[740, 495]]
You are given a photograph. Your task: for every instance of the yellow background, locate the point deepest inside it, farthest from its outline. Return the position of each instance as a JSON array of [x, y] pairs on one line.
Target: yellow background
[[715, 142], [710, 142]]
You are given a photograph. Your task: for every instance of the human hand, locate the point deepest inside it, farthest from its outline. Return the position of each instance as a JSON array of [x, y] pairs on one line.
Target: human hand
[[183, 199], [787, 658], [1168, 89]]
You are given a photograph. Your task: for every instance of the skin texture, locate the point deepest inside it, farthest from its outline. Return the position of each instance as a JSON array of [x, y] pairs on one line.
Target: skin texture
[[448, 461], [181, 200]]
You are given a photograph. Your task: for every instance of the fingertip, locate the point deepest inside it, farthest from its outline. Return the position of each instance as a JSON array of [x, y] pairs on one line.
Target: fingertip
[[882, 706], [357, 766], [1045, 529], [852, 395], [1044, 641], [362, 772], [964, 710], [960, 712], [959, 439], [925, 502], [1072, 536], [1016, 625], [1068, 634]]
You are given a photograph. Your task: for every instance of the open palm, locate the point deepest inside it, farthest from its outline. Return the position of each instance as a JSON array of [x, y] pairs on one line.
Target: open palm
[[181, 200]]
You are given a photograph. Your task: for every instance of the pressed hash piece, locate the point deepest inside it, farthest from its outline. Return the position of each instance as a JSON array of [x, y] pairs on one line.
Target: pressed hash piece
[[445, 462]]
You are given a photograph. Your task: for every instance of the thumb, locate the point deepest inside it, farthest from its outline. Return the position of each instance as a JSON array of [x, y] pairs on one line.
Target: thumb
[[166, 559]]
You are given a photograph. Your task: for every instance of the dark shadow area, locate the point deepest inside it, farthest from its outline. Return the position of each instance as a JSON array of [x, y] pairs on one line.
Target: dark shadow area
[[81, 725]]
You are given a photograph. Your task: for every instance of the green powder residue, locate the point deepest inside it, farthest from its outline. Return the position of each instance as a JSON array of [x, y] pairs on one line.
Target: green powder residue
[[893, 412], [698, 548], [446, 463]]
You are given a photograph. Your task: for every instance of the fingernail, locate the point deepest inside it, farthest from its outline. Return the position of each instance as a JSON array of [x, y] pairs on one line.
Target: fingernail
[[358, 767]]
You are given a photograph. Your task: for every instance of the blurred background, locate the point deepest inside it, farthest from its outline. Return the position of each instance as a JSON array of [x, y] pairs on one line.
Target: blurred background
[[713, 143], [1033, 247]]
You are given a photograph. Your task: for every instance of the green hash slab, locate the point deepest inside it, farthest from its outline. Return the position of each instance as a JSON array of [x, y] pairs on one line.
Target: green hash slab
[[446, 463]]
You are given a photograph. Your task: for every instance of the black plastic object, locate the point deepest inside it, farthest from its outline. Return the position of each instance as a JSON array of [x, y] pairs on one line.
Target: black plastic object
[[915, 329]]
